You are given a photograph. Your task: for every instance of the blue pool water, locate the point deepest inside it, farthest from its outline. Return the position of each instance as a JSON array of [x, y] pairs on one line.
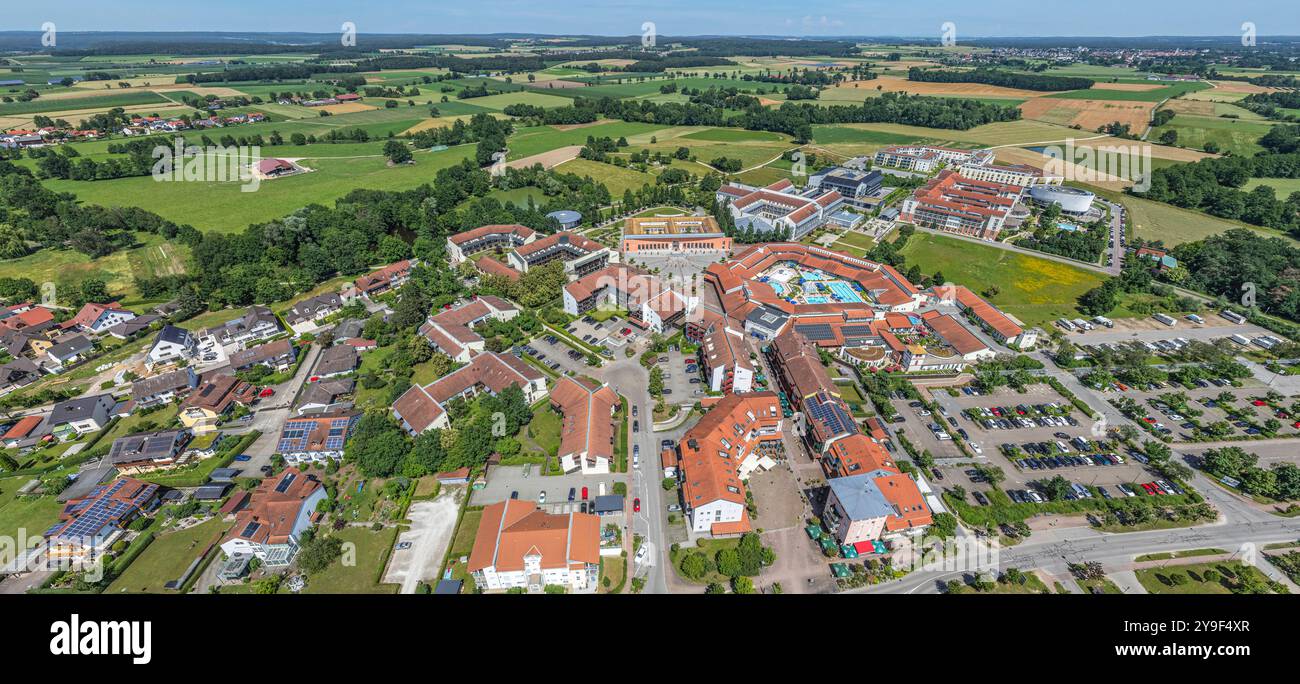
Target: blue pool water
[[1066, 226], [777, 287], [843, 290], [817, 300]]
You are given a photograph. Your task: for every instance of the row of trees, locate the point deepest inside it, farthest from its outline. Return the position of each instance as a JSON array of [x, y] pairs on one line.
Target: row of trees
[[997, 77]]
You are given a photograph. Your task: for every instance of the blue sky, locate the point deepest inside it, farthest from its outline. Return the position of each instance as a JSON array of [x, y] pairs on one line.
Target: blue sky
[[973, 18]]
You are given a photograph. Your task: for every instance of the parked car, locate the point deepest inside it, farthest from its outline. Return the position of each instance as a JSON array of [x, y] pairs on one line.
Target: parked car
[[541, 498], [636, 505], [573, 494]]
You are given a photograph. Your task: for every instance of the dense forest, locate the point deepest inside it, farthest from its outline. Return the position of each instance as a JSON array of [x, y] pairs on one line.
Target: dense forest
[[1005, 79], [1221, 264]]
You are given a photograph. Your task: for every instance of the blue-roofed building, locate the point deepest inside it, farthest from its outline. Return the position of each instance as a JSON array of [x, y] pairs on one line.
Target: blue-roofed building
[[566, 218], [316, 437], [11, 82], [874, 505], [89, 525]]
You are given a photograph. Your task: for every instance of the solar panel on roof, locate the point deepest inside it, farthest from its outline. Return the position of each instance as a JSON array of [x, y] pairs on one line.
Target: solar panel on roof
[[856, 331], [819, 331], [284, 484], [249, 529]]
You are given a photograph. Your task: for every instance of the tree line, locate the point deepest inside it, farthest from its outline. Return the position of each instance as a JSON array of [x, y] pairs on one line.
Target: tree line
[[997, 77]]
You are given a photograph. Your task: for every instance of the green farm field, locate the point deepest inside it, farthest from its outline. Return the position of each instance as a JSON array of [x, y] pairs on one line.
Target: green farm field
[[225, 208], [1237, 136], [67, 104], [1175, 225]]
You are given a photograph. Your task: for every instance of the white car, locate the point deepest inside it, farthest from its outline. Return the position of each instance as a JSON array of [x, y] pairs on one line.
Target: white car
[[541, 498], [642, 554], [977, 448]]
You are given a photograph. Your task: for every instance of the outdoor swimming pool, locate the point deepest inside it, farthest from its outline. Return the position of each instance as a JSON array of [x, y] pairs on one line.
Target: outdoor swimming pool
[[843, 291], [817, 300], [1066, 226]]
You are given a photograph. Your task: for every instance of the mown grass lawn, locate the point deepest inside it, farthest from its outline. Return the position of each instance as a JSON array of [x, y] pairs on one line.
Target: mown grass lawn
[[545, 430], [32, 515], [167, 558], [359, 569], [1161, 580], [1036, 291]]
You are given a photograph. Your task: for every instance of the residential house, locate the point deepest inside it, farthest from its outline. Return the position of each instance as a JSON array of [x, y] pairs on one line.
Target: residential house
[[18, 373], [387, 278], [452, 331], [173, 344], [148, 450], [339, 359], [316, 437], [162, 388], [270, 526], [305, 316], [70, 350], [130, 328], [423, 407], [520, 545], [88, 526], [258, 323], [325, 395], [215, 396], [587, 430], [278, 355], [81, 415], [96, 318], [26, 431]]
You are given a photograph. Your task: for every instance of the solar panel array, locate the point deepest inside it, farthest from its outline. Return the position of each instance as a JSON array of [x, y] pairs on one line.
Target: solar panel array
[[831, 414], [857, 331], [105, 510], [284, 483], [816, 332]]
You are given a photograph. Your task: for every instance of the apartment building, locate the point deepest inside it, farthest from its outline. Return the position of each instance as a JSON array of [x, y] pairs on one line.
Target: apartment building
[[741, 433]]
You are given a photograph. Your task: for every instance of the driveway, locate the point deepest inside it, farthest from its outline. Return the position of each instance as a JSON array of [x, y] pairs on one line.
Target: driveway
[[432, 525], [270, 414]]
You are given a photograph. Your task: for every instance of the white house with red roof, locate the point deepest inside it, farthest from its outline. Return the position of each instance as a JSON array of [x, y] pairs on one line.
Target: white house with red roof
[[96, 318]]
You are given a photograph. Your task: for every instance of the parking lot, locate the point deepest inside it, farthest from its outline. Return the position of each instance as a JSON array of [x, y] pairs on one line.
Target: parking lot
[[556, 354], [678, 387], [916, 427], [529, 483], [1249, 403], [1033, 436], [600, 334]]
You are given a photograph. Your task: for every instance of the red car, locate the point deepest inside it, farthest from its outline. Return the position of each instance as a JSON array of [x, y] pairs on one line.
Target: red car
[[266, 392], [626, 330], [636, 505], [1257, 402], [584, 493]]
